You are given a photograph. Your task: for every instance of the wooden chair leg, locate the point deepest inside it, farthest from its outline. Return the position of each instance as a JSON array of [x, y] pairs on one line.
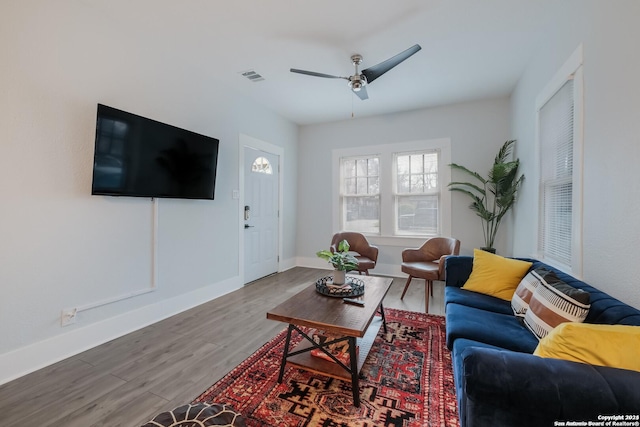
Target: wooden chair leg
[[428, 284], [431, 287], [406, 286]]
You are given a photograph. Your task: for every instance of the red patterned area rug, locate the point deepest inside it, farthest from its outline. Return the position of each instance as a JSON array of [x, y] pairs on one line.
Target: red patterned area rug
[[407, 381]]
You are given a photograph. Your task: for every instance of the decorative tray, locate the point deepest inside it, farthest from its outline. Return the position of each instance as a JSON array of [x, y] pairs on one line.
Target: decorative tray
[[353, 287]]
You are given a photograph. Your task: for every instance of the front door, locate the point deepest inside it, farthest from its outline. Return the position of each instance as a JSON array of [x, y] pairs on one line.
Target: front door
[[261, 182]]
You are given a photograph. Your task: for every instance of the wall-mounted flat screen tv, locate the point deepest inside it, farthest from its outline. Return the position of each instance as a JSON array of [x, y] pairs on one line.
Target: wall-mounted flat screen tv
[[140, 157]]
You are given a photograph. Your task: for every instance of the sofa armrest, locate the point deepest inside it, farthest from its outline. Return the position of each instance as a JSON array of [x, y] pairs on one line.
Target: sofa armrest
[[441, 262], [508, 388], [457, 270]]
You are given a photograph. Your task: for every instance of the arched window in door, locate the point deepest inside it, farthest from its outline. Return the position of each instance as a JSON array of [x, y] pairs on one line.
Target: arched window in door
[[262, 165]]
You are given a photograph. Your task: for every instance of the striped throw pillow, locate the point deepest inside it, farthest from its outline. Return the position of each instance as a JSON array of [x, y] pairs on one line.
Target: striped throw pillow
[[524, 291], [555, 302]]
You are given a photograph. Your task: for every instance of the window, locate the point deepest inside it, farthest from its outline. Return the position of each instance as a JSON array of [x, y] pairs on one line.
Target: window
[[393, 190], [417, 193], [560, 147], [360, 195], [556, 173], [261, 165]]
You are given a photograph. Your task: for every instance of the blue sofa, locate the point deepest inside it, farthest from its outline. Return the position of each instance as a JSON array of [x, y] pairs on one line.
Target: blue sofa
[[499, 382]]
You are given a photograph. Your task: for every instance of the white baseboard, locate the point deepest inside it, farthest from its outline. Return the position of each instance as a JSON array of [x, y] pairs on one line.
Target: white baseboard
[[287, 264], [25, 360]]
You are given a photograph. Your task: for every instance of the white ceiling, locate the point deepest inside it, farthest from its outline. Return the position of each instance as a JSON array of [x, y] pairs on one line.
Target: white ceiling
[[471, 49]]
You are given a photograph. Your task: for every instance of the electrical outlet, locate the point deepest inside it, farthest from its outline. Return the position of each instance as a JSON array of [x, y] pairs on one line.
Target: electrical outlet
[[68, 316]]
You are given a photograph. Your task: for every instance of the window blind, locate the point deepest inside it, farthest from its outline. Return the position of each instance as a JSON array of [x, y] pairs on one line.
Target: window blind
[[556, 175]]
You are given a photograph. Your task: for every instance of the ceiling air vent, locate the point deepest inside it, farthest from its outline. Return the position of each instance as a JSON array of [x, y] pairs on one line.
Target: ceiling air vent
[[252, 75]]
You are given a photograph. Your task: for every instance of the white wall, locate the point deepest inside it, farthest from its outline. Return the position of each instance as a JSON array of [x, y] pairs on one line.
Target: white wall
[[609, 34], [477, 130], [60, 247]]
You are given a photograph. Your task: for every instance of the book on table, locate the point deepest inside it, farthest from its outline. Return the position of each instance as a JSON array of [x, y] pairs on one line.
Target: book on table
[[340, 349]]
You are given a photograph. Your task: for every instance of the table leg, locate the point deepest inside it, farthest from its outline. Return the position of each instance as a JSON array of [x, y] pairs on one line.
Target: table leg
[[355, 378], [285, 353], [384, 321]]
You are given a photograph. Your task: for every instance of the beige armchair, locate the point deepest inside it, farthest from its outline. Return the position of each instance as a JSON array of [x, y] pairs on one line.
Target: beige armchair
[[367, 255], [427, 262]]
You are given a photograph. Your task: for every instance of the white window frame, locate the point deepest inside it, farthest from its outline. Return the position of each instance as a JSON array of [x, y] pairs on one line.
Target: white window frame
[[572, 69], [397, 195], [386, 152], [344, 195]]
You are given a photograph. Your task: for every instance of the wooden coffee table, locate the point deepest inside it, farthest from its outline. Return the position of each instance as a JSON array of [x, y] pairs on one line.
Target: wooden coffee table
[[357, 325]]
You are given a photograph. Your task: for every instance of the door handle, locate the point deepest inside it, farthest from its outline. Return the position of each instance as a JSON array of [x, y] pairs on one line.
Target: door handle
[[248, 226]]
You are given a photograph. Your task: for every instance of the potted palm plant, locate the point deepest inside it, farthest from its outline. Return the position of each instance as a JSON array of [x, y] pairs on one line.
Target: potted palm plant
[[341, 260], [493, 196]]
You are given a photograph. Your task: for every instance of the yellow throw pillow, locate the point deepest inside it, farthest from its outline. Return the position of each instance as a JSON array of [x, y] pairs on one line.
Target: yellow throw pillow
[[495, 275], [615, 346]]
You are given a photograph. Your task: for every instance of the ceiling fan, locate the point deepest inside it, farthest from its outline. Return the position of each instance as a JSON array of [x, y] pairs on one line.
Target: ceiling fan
[[359, 80]]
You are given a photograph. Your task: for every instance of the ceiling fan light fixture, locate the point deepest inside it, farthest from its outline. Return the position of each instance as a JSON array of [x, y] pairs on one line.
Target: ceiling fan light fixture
[[357, 82]]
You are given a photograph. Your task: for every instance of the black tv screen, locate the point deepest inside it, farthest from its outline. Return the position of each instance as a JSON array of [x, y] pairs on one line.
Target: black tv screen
[[140, 157]]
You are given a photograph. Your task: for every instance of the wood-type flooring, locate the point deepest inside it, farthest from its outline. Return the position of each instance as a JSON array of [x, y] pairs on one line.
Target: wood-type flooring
[[127, 381]]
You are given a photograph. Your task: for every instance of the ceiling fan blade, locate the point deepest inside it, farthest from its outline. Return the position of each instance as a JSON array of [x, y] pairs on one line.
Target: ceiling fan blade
[[376, 71], [313, 73], [362, 93]]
